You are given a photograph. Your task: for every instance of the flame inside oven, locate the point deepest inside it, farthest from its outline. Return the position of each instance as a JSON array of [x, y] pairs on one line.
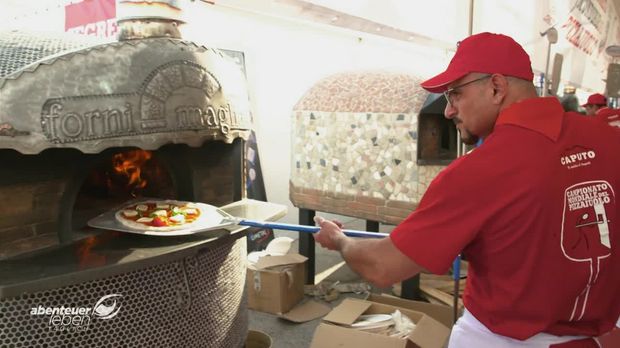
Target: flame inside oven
[[129, 164]]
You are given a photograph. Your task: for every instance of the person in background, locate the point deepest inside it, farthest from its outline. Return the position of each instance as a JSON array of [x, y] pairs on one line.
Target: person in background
[[596, 102], [597, 107], [609, 116], [533, 209], [569, 99]]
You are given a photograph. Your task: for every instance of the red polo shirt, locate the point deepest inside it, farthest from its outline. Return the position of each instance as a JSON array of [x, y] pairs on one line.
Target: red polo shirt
[[534, 210], [608, 115]]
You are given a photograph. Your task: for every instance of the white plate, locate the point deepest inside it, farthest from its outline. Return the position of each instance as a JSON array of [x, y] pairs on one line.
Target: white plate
[[212, 218]]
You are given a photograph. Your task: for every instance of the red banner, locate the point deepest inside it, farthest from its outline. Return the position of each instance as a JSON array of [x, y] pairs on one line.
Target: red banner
[[92, 17]]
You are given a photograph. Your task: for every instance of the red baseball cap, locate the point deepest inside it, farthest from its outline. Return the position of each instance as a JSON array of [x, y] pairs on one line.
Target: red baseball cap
[[484, 53], [596, 99]]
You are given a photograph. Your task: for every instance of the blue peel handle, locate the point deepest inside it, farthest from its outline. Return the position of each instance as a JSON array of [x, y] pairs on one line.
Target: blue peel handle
[[456, 268], [306, 229]]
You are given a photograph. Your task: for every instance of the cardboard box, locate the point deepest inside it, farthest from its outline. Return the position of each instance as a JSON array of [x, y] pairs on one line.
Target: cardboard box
[[275, 284], [443, 314], [428, 333]]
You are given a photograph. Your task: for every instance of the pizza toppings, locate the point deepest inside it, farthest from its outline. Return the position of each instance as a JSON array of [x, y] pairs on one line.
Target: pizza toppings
[[179, 218], [159, 221], [161, 214], [130, 213], [190, 211]]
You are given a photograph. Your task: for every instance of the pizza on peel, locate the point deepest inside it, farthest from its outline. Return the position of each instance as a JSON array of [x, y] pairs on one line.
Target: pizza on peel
[[160, 215]]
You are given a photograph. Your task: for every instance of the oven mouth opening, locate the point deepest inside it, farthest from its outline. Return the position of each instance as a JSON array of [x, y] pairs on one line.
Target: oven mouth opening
[[118, 177]]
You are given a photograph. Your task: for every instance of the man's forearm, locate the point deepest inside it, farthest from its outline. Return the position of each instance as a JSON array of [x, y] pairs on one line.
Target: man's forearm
[[363, 256], [377, 260]]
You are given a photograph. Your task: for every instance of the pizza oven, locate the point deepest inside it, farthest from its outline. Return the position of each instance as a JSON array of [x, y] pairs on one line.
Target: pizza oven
[[366, 144], [86, 126]]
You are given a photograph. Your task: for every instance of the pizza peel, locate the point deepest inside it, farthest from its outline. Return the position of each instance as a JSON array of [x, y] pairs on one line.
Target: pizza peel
[[213, 219], [217, 219]]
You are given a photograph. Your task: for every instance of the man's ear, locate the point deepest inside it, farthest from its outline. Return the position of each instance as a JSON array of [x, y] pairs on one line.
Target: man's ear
[[500, 87]]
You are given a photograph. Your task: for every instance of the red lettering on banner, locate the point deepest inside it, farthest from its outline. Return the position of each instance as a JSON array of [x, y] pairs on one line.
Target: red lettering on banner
[[579, 36], [92, 17], [589, 11], [107, 28]]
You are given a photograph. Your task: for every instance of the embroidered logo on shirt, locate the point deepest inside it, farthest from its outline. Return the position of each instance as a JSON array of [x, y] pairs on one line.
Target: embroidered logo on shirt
[[576, 157], [585, 231]]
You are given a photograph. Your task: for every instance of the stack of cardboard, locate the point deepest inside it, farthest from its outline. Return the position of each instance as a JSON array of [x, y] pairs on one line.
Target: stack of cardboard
[[439, 289], [275, 283], [337, 329], [275, 277]]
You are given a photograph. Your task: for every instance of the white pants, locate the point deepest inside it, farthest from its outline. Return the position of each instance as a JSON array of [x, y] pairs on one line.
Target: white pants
[[469, 332]]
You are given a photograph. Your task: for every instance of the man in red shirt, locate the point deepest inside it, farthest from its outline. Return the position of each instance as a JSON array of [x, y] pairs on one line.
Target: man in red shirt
[[597, 106], [609, 116], [595, 103], [534, 210]]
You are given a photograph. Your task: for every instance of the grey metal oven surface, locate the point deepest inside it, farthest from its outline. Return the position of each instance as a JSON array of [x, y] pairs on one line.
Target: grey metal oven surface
[[196, 301]]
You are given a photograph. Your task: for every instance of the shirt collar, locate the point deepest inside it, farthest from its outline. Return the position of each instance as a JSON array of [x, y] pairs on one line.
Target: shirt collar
[[543, 115]]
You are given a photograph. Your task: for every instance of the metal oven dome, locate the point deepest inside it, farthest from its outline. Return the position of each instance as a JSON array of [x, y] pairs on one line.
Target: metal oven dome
[[62, 91]]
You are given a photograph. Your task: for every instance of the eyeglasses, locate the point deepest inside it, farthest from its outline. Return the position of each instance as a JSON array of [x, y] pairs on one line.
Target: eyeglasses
[[449, 93]]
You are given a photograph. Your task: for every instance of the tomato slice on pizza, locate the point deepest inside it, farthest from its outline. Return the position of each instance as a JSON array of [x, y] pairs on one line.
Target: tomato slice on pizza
[[166, 215]]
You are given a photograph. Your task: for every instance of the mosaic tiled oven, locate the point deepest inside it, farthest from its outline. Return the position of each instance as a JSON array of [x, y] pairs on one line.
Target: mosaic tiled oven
[[367, 145], [79, 121]]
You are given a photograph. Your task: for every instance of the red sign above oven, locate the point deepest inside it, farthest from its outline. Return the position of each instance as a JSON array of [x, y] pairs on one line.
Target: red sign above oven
[[92, 17]]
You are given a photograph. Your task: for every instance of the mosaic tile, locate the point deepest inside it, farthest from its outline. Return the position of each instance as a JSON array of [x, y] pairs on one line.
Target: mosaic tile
[[374, 169], [357, 135]]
